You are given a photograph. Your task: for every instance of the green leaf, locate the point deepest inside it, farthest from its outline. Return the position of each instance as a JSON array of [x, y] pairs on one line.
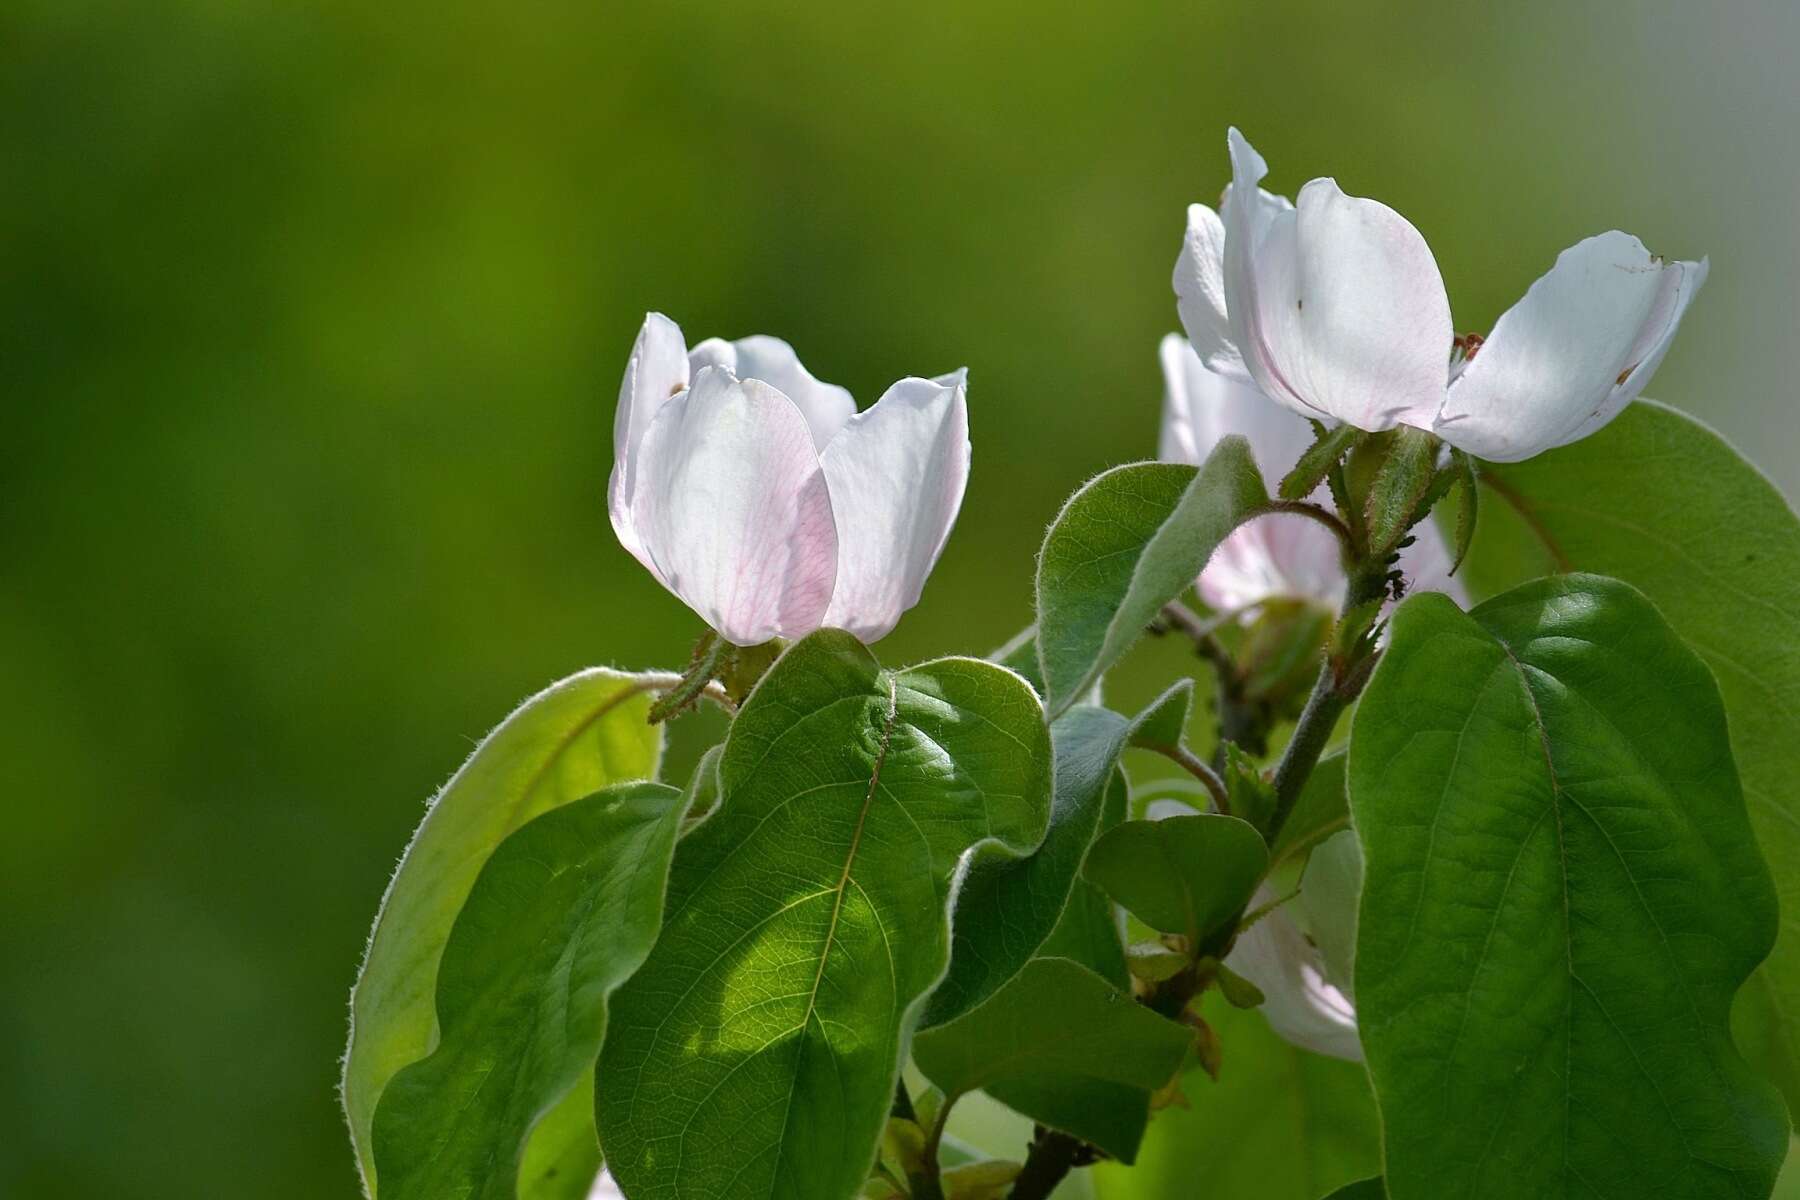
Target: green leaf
[[1280, 1124], [1561, 896], [564, 743], [1089, 931], [1126, 544], [1401, 482], [562, 1156], [1064, 1047], [1322, 810], [1328, 447], [1252, 796], [755, 1053], [1183, 875], [1007, 908], [1468, 508], [1020, 655], [1164, 723], [562, 914], [1362, 1189], [1661, 501]]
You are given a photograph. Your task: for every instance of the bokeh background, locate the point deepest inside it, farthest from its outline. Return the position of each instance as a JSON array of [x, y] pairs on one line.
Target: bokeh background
[[313, 320]]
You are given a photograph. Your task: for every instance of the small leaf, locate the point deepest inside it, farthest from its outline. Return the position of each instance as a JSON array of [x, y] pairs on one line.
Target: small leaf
[[1238, 991], [1328, 447], [1402, 481], [1154, 962], [1164, 723], [1065, 1048], [566, 742], [1185, 875], [1561, 896], [1126, 544], [808, 917], [1468, 503], [563, 912], [989, 1180], [1252, 796], [1322, 810]]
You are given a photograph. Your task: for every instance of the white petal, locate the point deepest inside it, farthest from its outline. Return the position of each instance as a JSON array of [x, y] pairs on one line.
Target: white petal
[[1281, 555], [1300, 1003], [897, 474], [604, 1188], [1201, 406], [1570, 355], [1200, 293], [825, 405], [657, 369], [1351, 318], [732, 507]]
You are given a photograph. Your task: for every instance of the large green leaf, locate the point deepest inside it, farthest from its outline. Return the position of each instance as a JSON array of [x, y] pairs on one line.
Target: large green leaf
[[1280, 1124], [1089, 930], [564, 743], [755, 1053], [1664, 503], [1187, 875], [1126, 544], [1064, 1047], [562, 914], [1562, 895]]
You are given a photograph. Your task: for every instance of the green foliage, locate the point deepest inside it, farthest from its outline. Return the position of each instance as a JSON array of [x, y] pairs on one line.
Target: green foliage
[[1562, 896], [1126, 544], [1279, 1124], [1008, 907], [1322, 810], [1661, 501], [1183, 875], [560, 916], [568, 741], [1329, 446], [807, 918], [1362, 1189], [1399, 484], [1064, 1047]]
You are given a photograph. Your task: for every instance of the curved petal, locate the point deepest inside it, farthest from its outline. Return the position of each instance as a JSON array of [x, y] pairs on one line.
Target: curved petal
[[825, 405], [656, 370], [897, 474], [1200, 406], [733, 510], [1280, 555], [1570, 355], [1301, 1004], [1350, 316], [1200, 293]]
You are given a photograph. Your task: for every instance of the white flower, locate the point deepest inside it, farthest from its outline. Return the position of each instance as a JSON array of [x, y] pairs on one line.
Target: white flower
[[1281, 555], [766, 502], [1307, 976], [1335, 308]]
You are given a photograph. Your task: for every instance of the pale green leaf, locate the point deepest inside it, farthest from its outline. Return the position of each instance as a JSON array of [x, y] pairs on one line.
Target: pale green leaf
[[564, 743], [1188, 875]]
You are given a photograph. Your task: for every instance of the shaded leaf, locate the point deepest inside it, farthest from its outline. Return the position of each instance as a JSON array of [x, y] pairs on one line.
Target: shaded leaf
[[1188, 875], [1065, 1048]]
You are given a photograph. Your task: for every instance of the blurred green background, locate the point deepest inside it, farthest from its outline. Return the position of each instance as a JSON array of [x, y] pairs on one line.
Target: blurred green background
[[314, 320]]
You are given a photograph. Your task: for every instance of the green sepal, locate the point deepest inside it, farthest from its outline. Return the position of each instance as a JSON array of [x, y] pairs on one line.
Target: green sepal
[[1329, 446]]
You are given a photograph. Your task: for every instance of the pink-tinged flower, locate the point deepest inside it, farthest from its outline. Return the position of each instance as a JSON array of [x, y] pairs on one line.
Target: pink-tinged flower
[[1334, 307], [1282, 555], [766, 502], [1307, 975]]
